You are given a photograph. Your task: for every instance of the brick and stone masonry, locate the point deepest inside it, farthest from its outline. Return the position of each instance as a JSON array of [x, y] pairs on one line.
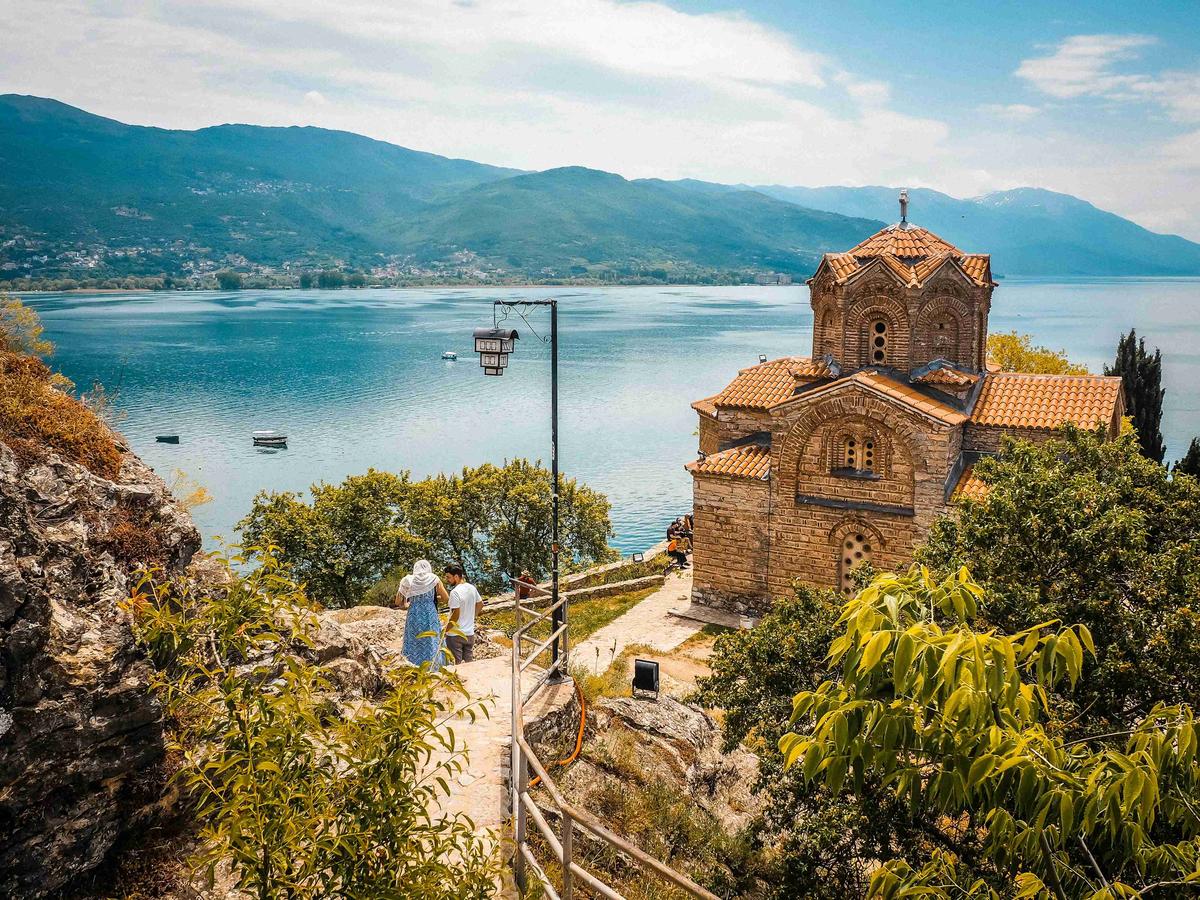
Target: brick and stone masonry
[[810, 466]]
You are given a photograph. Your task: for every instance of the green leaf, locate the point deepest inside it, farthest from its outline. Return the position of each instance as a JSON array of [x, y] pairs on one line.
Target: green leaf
[[876, 647]]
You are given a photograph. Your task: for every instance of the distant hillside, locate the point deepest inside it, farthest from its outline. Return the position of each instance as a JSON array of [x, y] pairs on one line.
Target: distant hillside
[[272, 195], [1028, 231], [594, 221], [84, 197]]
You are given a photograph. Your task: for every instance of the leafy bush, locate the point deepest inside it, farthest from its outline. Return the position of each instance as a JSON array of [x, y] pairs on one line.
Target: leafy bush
[[305, 801], [36, 412], [819, 844], [1086, 530], [1014, 352], [492, 520], [21, 329], [958, 722], [37, 415]]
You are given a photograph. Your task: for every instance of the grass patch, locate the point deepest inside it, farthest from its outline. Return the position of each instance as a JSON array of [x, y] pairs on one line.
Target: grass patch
[[37, 415], [586, 616]]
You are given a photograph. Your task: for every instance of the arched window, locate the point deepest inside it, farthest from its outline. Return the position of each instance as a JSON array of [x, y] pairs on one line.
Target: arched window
[[877, 340], [854, 551], [857, 454]]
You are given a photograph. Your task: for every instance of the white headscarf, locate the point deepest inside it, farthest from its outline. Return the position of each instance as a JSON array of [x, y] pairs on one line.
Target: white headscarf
[[422, 579]]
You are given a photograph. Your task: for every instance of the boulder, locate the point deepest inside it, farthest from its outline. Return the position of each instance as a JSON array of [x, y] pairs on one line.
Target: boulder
[[668, 742], [80, 732]]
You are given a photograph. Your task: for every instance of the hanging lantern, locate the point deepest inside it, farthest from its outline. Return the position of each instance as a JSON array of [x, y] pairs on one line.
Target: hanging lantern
[[493, 346]]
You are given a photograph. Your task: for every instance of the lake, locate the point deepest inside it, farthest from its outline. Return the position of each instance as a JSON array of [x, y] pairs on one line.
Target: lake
[[356, 380]]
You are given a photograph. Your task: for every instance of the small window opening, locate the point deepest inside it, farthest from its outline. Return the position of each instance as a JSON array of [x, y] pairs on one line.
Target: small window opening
[[879, 342], [856, 550]]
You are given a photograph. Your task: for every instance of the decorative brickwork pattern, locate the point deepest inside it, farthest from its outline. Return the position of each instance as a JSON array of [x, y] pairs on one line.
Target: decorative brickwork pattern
[[865, 454]]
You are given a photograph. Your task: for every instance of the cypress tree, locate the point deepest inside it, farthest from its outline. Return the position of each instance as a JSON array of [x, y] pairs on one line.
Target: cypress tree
[[1189, 464], [1141, 374]]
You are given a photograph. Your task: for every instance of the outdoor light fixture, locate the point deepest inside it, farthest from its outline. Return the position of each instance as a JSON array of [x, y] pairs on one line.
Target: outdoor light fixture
[[762, 357], [638, 557], [493, 346], [645, 676]]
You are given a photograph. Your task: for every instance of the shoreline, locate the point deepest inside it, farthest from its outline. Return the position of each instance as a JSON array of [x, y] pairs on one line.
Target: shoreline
[[441, 285]]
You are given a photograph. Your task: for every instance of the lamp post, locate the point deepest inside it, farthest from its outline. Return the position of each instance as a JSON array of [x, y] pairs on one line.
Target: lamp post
[[494, 345]]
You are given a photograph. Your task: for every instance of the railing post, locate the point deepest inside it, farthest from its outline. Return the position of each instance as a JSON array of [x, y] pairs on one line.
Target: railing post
[[567, 852], [522, 787], [519, 778]]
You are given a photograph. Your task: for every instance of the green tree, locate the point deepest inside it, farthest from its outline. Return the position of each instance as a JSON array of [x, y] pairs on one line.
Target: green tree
[[1141, 374], [492, 520], [306, 280], [330, 278], [1014, 352], [229, 280], [305, 802], [1189, 463], [958, 720], [1084, 530], [814, 843], [343, 541]]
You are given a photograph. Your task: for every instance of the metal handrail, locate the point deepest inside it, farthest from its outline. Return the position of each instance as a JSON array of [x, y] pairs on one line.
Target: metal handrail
[[524, 805]]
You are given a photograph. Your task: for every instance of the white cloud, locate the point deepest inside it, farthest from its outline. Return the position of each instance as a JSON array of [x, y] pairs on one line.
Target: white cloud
[[632, 86], [1013, 112], [1082, 65], [639, 88]]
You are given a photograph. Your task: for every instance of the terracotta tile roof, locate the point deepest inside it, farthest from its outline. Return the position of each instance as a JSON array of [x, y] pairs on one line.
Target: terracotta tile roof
[[947, 377], [706, 406], [978, 266], [913, 254], [747, 461], [904, 272], [909, 242], [843, 264], [761, 386], [808, 369], [894, 390], [910, 397], [970, 486], [1019, 400]]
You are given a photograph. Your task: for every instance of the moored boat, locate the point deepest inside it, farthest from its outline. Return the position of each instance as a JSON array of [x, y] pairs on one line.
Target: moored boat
[[450, 355], [269, 439]]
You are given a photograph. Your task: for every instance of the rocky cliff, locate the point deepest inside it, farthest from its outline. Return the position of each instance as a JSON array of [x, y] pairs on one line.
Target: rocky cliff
[[80, 734]]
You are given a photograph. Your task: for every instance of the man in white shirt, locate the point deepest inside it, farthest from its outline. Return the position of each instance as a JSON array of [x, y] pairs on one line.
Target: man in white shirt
[[465, 605]]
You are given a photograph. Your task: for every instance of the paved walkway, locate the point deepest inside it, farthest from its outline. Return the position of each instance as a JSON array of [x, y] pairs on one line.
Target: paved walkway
[[480, 791], [649, 623]]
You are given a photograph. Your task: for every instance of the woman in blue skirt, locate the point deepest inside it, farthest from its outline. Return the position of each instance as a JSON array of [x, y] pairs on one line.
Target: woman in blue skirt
[[420, 593]]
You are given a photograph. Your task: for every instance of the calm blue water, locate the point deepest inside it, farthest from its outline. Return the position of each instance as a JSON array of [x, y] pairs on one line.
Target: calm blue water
[[355, 378]]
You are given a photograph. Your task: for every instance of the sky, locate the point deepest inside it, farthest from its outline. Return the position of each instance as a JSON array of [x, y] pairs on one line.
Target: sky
[[1098, 99]]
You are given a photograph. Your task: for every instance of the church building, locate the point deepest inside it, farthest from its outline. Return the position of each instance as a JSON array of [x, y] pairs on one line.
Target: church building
[[810, 466]]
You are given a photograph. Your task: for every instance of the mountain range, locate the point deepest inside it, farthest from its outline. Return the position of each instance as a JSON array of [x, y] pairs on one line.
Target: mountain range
[[84, 196]]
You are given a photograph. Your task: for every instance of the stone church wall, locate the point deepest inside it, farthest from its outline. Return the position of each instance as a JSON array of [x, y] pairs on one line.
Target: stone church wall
[[730, 543], [710, 435]]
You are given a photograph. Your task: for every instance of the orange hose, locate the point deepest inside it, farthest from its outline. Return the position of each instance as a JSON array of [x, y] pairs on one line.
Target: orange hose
[[578, 739]]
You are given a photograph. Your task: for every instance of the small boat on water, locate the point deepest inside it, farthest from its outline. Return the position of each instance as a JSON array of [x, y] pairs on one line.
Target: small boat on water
[[269, 439], [450, 355], [167, 438]]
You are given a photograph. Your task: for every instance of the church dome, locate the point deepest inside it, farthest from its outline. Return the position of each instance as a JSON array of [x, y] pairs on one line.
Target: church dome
[[906, 242], [909, 252]]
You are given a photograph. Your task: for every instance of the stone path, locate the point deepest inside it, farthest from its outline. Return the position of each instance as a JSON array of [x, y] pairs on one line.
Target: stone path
[[649, 623], [481, 790]]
